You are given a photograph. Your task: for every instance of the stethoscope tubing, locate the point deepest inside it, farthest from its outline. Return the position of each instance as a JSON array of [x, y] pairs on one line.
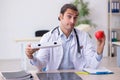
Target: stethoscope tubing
[[77, 38]]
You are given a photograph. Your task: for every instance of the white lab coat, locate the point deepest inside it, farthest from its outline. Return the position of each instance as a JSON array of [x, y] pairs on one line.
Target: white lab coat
[[52, 57]]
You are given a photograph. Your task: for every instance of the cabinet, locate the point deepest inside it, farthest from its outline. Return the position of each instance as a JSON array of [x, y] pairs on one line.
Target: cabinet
[[113, 25]]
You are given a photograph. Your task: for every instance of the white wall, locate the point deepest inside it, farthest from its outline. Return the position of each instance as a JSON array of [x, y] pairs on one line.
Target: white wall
[[99, 16], [21, 18]]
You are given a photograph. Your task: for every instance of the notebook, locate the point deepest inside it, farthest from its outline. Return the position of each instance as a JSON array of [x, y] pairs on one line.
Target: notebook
[[19, 75], [99, 71], [59, 76]]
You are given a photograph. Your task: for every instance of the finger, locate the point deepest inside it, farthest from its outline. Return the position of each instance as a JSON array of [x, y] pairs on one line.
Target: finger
[[29, 45]]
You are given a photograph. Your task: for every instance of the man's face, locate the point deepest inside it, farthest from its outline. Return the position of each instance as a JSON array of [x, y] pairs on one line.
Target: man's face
[[68, 19]]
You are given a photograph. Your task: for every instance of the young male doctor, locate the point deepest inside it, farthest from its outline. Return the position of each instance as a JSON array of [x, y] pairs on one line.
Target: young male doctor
[[77, 50]]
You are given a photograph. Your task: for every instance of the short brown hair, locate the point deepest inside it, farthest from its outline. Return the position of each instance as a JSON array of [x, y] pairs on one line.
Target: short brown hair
[[67, 6]]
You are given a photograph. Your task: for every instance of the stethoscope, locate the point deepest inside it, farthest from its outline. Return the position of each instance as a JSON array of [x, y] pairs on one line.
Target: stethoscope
[[77, 38]]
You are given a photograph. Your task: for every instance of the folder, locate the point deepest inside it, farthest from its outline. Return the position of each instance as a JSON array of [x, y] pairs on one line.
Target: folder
[[18, 75], [99, 71]]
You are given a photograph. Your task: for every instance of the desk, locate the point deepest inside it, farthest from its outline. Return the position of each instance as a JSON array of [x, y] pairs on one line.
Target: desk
[[118, 52], [115, 76], [28, 39], [23, 43], [108, 62]]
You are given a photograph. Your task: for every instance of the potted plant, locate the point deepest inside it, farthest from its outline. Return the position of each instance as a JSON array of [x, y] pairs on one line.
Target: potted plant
[[83, 22]]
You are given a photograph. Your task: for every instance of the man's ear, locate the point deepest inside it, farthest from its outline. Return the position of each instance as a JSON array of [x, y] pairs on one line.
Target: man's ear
[[60, 16]]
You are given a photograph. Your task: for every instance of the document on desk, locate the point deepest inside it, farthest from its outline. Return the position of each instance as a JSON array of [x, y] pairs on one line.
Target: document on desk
[[99, 71], [19, 75]]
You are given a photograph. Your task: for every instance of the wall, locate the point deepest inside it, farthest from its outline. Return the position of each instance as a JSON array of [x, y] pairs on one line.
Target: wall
[[99, 16], [21, 18]]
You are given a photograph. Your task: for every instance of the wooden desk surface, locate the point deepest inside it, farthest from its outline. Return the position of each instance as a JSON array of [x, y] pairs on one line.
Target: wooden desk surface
[[28, 39], [107, 62], [115, 76]]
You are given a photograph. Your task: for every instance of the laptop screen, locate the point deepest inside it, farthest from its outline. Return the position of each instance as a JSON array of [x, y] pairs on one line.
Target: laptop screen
[[59, 76]]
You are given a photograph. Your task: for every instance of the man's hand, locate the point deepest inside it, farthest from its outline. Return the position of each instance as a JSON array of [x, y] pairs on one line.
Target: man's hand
[[100, 45], [29, 51]]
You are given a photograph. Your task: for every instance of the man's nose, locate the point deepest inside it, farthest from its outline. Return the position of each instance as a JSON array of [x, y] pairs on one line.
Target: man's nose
[[72, 20]]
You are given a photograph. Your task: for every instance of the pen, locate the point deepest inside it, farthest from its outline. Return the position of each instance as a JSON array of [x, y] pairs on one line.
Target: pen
[[102, 73]]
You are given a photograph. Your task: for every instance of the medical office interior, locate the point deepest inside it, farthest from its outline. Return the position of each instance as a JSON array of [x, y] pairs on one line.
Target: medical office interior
[[20, 19]]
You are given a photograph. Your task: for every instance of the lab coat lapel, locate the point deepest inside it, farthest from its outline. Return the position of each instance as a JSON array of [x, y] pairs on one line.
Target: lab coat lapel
[[59, 56]]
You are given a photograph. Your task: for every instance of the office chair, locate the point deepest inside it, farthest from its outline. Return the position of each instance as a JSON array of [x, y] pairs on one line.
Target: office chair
[[40, 33]]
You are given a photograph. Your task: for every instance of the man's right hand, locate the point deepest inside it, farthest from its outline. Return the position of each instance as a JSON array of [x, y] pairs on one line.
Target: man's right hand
[[29, 51]]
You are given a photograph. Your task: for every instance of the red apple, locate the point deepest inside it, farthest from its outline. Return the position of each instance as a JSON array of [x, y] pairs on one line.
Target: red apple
[[99, 34]]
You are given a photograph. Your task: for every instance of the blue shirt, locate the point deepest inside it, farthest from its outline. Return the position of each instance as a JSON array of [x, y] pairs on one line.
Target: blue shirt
[[66, 43]]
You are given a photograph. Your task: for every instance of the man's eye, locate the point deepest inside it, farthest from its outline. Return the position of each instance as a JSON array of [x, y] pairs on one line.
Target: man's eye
[[69, 16], [75, 18]]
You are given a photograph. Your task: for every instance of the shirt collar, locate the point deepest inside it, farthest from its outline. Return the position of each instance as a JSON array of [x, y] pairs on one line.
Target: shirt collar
[[61, 33]]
